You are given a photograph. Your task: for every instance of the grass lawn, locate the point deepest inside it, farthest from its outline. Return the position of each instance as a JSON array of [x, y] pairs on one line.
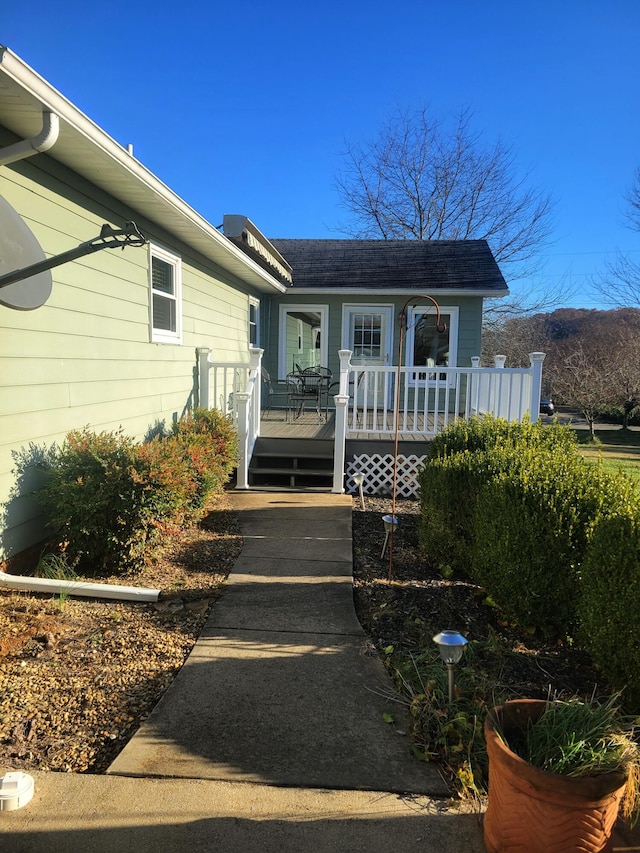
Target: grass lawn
[[615, 449]]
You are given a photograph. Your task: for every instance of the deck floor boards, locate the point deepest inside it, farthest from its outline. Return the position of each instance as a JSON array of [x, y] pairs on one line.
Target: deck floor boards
[[274, 424]]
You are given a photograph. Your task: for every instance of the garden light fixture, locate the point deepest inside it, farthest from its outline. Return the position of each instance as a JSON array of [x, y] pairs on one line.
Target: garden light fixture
[[390, 524], [451, 646], [358, 479]]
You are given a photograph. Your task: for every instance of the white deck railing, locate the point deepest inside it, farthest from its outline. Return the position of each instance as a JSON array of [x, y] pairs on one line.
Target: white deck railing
[[234, 389], [377, 402], [418, 403], [428, 401]]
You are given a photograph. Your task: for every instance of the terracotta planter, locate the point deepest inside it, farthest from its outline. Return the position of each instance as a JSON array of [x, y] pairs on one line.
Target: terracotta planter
[[532, 811]]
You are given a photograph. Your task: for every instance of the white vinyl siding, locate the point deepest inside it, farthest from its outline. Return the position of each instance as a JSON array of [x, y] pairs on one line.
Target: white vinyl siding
[[85, 357]]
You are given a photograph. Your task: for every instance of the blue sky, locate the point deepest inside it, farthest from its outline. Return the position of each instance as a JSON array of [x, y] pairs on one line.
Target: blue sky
[[245, 107]]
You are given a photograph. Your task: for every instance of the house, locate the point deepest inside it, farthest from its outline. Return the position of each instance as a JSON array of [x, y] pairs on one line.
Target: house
[[371, 312], [122, 308], [109, 337], [348, 294]]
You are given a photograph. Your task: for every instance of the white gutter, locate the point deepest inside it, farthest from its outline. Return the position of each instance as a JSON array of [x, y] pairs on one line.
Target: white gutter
[[83, 588], [36, 144], [18, 71]]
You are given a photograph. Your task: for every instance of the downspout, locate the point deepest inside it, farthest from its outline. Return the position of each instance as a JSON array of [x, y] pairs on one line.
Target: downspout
[[36, 144], [83, 588]]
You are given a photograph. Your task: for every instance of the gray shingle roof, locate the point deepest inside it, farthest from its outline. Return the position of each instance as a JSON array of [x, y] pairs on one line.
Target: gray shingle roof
[[403, 264]]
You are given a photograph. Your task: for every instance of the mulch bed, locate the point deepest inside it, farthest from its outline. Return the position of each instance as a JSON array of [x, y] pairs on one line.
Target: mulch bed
[[77, 676]]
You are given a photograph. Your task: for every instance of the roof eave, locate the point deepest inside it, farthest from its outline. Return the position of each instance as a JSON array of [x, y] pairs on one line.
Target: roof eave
[[138, 187], [396, 291]]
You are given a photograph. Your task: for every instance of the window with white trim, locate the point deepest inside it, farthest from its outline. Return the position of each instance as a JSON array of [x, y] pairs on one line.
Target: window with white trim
[[430, 345], [165, 302], [254, 322]]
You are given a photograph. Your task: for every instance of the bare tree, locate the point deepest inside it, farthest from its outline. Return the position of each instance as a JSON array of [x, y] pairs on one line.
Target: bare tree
[[633, 203], [420, 180], [620, 283], [581, 373], [626, 377], [522, 304], [593, 360], [515, 338]]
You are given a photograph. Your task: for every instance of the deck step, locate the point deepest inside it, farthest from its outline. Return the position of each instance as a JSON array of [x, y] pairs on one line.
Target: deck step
[[292, 464]]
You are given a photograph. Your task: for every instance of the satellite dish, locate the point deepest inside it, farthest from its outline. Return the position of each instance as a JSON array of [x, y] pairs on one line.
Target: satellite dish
[[18, 249]]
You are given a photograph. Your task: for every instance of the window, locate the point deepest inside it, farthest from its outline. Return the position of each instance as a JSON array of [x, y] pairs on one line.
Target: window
[[165, 273], [254, 322], [367, 330], [302, 337], [367, 335], [429, 345]]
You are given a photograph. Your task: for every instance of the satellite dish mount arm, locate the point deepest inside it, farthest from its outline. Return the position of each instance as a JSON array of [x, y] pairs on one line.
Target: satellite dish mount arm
[[110, 238]]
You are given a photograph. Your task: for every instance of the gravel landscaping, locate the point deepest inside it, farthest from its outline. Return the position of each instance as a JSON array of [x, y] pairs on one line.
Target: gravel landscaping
[[77, 676]]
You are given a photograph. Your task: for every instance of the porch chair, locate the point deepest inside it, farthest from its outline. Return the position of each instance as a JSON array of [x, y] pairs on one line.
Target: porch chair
[[303, 388], [269, 392], [295, 396], [320, 377]]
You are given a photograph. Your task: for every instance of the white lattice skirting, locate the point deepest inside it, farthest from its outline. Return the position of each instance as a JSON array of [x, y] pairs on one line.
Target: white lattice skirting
[[378, 474]]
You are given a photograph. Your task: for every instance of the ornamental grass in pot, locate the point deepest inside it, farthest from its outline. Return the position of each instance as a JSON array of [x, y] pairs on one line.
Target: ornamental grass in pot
[[558, 774]]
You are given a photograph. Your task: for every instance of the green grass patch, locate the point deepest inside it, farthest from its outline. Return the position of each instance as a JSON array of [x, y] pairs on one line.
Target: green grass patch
[[616, 450]]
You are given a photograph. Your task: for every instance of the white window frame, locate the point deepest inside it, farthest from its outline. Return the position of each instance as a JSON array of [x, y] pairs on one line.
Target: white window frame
[[286, 308], [387, 310], [254, 305], [166, 336], [418, 310]]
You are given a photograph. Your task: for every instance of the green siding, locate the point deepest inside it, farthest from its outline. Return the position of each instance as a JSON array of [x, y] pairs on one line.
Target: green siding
[[469, 324], [85, 357]]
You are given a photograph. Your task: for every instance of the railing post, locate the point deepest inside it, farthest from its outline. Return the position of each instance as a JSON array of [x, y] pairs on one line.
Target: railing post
[[474, 393], [242, 476], [497, 388], [536, 359], [340, 440], [341, 400], [345, 367], [204, 364], [255, 364]]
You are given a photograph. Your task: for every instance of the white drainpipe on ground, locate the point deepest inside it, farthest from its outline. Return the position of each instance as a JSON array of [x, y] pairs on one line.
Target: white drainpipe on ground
[[83, 588]]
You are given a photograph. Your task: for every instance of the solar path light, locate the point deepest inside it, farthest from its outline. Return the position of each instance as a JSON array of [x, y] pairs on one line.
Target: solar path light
[[390, 524], [358, 479], [451, 646]]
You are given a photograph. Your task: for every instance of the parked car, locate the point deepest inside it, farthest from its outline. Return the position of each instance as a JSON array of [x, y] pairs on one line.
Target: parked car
[[547, 407]]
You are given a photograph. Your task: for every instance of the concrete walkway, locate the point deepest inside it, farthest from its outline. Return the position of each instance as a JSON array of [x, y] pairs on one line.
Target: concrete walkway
[[272, 736]]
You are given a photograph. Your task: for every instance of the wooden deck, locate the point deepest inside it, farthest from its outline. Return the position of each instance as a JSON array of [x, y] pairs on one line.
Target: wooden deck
[[273, 424]]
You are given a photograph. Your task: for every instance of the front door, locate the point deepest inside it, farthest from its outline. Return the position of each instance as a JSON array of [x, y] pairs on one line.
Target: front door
[[369, 335]]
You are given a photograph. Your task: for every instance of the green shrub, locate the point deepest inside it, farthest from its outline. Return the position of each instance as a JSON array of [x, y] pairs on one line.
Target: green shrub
[[461, 460], [487, 432], [448, 491], [513, 505], [609, 609], [109, 498], [531, 526], [209, 443], [98, 500], [170, 482]]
